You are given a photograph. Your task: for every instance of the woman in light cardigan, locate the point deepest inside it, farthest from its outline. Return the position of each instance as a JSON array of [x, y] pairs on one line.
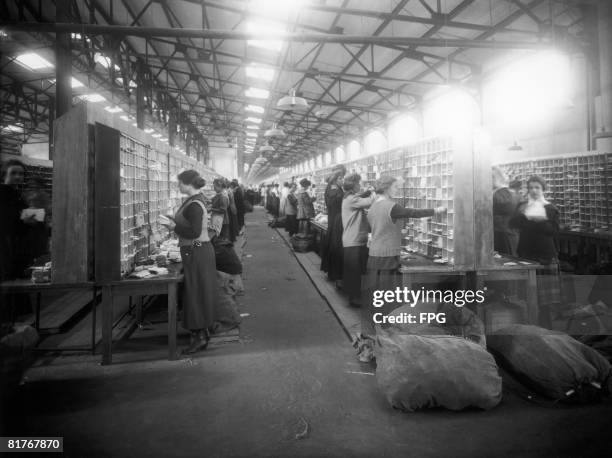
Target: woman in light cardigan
[[355, 236], [386, 220]]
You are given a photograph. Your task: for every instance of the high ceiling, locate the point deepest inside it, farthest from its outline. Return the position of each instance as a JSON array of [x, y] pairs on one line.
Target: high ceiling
[[350, 86]]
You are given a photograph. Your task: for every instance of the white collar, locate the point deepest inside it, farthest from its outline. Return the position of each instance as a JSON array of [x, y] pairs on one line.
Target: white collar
[[541, 200]]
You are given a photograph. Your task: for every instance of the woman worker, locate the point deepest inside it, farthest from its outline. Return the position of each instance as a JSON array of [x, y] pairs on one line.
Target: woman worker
[[538, 223], [505, 204], [305, 209], [198, 256], [386, 222], [220, 210], [12, 250], [355, 236], [331, 246]]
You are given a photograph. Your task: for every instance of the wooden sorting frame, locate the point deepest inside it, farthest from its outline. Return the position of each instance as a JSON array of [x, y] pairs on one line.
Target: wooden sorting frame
[[111, 181]]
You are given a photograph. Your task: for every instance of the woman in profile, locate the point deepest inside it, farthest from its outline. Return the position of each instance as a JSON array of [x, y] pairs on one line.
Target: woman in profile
[[331, 246], [199, 265]]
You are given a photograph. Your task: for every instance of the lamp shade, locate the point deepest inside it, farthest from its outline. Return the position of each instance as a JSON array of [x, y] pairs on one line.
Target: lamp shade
[[266, 148], [275, 132], [292, 103]]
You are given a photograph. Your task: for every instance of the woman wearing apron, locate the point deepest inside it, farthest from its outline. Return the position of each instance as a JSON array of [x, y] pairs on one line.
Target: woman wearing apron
[[198, 256]]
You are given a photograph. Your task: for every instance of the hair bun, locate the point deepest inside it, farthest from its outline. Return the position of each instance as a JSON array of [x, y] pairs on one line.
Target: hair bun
[[199, 182]]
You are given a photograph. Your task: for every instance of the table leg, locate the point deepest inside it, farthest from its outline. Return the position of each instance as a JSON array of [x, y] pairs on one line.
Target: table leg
[[93, 321], [37, 325], [407, 280], [139, 306], [172, 300], [532, 297], [107, 325]]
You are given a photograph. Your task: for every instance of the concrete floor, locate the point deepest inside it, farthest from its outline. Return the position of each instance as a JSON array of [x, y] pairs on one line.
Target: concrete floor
[[294, 371]]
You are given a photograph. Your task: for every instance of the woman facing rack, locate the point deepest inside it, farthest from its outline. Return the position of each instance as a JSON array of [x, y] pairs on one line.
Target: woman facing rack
[[355, 236], [220, 210], [331, 246], [385, 218], [291, 209], [305, 207], [198, 256]]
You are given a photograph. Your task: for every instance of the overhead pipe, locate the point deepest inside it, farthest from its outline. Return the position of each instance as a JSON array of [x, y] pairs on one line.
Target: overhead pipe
[[123, 30]]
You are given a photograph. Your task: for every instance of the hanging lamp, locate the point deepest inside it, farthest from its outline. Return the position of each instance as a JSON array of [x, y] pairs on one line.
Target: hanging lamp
[[266, 148], [292, 102], [275, 132]]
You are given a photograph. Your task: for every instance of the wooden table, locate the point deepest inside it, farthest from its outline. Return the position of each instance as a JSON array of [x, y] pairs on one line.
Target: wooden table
[[419, 269], [525, 271], [26, 286], [158, 285], [423, 270], [319, 230]]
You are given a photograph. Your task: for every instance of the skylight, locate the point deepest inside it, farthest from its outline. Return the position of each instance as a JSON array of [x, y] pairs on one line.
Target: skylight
[[252, 134], [95, 97], [259, 72], [33, 61], [104, 61], [265, 27], [254, 120], [148, 131], [255, 109], [257, 93], [252, 127], [113, 109], [156, 135], [13, 128]]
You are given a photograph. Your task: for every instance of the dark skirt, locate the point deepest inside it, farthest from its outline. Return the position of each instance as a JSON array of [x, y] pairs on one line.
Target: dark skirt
[[332, 250], [382, 274], [200, 286], [291, 224], [355, 262], [233, 226], [505, 243]]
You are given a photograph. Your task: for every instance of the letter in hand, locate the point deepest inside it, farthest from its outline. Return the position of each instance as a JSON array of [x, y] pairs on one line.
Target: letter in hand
[[166, 221]]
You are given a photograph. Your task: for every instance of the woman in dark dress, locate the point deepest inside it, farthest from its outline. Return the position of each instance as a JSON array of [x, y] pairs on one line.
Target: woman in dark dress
[[199, 266], [538, 223], [291, 210], [13, 259], [220, 210], [331, 245], [232, 212], [239, 199], [305, 207], [505, 204]]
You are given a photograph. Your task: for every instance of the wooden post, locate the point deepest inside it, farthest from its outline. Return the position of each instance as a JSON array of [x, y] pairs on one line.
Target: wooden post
[[63, 61], [172, 128], [140, 94]]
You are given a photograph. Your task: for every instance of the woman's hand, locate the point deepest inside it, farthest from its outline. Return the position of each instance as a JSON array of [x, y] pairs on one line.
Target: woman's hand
[[440, 210]]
